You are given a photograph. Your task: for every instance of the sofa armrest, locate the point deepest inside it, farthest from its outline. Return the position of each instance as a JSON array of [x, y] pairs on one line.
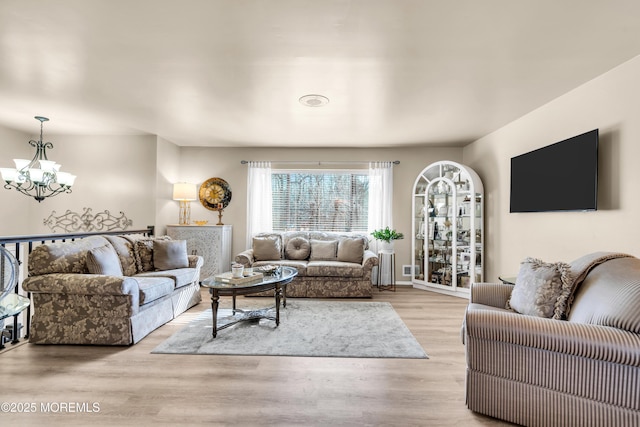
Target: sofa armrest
[[369, 260], [195, 261], [493, 294], [556, 336], [245, 258], [81, 284]]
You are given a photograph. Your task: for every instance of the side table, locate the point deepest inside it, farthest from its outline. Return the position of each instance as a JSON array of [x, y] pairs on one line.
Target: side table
[[387, 258], [12, 305]]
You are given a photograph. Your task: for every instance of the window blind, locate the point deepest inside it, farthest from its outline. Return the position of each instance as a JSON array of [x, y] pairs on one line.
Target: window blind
[[322, 200]]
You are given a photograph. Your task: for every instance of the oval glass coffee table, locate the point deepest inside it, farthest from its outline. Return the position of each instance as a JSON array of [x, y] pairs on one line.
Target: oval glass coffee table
[[276, 282]]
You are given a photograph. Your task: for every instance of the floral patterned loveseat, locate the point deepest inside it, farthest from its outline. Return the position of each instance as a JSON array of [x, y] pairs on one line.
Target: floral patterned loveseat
[[329, 264], [109, 290]]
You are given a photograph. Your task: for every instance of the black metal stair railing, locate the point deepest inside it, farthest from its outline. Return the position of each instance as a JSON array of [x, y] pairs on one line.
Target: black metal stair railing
[[16, 243]]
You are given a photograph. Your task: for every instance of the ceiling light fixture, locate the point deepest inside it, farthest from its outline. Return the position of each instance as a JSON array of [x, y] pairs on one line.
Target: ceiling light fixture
[[314, 100], [39, 177]]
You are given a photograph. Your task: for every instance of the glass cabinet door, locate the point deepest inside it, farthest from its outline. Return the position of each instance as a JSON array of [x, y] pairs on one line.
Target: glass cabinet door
[[447, 228]]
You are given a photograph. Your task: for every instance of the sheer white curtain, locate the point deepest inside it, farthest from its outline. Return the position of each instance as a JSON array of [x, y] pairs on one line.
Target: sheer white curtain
[[259, 213], [380, 195], [380, 205]]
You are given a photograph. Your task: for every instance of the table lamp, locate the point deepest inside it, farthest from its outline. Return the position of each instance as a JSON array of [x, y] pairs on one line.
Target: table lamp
[[184, 192]]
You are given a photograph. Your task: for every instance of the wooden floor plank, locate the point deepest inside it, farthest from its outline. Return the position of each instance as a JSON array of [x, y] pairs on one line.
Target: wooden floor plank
[[133, 387]]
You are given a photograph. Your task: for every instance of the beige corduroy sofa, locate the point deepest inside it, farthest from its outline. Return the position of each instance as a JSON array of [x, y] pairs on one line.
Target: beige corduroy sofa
[[582, 371], [109, 290], [329, 264]]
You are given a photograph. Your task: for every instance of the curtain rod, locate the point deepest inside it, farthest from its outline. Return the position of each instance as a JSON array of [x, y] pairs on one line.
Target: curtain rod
[[395, 162]]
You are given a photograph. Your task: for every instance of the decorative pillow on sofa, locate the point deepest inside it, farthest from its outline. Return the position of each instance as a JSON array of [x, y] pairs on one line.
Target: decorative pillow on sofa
[[103, 260], [538, 288], [324, 250], [297, 248], [266, 248], [170, 254], [351, 250], [143, 251]]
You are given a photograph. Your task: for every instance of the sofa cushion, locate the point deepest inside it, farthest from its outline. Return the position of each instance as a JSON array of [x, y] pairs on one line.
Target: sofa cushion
[[266, 248], [104, 260], [153, 288], [327, 235], [300, 265], [181, 276], [297, 248], [288, 235], [351, 250], [63, 257], [538, 288], [124, 249], [143, 251], [334, 269], [610, 296], [170, 254], [323, 250]]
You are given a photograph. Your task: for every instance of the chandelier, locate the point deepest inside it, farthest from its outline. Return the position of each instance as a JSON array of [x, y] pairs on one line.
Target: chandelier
[[39, 177]]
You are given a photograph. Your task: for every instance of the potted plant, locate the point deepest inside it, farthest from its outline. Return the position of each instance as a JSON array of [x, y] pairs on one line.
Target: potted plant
[[387, 237]]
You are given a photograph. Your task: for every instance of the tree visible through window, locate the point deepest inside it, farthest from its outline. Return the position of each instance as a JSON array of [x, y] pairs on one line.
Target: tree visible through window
[[323, 200]]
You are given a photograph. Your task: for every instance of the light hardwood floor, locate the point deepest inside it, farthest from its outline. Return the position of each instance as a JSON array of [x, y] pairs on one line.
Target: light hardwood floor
[[131, 386]]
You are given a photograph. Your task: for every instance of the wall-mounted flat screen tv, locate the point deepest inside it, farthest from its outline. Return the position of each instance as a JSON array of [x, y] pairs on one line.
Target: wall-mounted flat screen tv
[[559, 177]]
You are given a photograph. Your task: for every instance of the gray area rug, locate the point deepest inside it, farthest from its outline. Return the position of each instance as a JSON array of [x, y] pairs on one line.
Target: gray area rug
[[307, 328]]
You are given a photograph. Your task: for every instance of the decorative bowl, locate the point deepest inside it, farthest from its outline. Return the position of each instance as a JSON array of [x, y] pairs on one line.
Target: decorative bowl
[[201, 222]]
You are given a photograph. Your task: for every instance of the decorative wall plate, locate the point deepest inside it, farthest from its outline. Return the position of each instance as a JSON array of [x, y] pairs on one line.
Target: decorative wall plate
[[215, 194]]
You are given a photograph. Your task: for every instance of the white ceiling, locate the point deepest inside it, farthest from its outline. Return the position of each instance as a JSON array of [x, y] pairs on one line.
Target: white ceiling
[[230, 72]]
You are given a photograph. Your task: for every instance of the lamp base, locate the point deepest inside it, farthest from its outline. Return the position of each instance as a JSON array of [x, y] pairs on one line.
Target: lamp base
[[185, 212]]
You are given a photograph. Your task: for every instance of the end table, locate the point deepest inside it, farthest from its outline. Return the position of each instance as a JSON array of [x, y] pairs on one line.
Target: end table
[[387, 258]]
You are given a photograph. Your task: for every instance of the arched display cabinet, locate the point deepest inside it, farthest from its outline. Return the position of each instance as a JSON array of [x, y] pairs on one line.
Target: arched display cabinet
[[448, 231]]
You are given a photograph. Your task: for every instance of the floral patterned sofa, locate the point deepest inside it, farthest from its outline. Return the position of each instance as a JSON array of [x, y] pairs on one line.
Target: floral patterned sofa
[[109, 290], [328, 264]]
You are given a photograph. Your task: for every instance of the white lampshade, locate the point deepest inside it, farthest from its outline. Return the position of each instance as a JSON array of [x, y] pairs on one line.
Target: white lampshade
[[37, 175], [8, 174], [21, 163], [47, 165], [184, 191], [65, 178]]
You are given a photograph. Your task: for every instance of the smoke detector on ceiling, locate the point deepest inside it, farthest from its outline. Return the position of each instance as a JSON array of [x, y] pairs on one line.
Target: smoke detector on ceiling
[[314, 100]]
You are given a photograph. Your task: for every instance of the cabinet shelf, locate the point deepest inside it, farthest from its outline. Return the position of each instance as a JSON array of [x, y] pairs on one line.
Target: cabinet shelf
[[453, 259]]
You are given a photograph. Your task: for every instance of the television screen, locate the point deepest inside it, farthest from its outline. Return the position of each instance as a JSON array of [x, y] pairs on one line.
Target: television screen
[[560, 177]]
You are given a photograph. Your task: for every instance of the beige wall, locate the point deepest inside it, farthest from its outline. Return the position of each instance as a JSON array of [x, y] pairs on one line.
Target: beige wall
[[167, 173], [200, 164], [115, 173], [611, 103], [14, 207], [134, 174]]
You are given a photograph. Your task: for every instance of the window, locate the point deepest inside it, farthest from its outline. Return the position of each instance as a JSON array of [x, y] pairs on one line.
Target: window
[[322, 200]]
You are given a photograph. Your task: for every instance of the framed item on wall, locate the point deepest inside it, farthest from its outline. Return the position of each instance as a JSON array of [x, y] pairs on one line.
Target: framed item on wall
[[215, 194]]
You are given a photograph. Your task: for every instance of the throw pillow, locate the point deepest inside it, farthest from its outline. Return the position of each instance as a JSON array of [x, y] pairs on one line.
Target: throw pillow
[[266, 248], [323, 250], [170, 254], [538, 288], [297, 248], [143, 251], [351, 250], [104, 260]]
